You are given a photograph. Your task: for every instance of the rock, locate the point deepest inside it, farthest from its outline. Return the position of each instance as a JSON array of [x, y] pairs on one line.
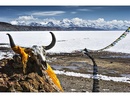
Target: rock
[[3, 86], [12, 78]]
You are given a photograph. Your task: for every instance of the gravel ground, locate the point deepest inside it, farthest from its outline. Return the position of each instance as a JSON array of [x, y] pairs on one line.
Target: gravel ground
[[109, 64]]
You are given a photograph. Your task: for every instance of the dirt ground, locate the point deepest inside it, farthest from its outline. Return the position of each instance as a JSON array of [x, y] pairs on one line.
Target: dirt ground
[[109, 64]]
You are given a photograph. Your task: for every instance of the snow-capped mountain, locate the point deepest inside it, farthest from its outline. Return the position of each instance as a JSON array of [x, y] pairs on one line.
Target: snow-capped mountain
[[74, 22]]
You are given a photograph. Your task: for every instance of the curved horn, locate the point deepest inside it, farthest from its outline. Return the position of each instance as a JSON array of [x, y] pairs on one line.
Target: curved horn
[[52, 42], [12, 44]]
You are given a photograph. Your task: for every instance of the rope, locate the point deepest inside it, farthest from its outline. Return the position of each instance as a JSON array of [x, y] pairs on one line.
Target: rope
[[95, 67], [107, 47], [95, 72], [115, 42]]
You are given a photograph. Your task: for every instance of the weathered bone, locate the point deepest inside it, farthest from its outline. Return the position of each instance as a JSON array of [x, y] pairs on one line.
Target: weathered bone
[[38, 51], [51, 45], [12, 44], [40, 54]]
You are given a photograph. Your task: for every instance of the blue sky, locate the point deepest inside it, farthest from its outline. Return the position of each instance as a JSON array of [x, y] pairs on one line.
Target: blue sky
[[108, 17], [9, 13]]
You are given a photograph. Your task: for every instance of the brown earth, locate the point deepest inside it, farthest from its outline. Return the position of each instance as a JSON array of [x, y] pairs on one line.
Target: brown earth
[[109, 64], [36, 79]]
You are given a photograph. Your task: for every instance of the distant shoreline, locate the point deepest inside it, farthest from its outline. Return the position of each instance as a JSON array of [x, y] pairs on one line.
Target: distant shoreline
[[103, 54], [9, 27]]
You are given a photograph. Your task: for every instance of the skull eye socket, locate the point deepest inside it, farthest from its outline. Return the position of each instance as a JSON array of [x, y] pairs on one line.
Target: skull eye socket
[[43, 62], [44, 54]]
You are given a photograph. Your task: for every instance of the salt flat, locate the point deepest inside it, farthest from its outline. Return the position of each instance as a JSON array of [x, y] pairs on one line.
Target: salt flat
[[67, 41]]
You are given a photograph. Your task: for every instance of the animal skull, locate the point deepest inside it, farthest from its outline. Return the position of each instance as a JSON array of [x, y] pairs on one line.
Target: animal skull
[[36, 52]]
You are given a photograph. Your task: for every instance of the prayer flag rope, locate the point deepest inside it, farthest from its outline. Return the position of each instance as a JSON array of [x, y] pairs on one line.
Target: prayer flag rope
[[116, 41], [109, 46]]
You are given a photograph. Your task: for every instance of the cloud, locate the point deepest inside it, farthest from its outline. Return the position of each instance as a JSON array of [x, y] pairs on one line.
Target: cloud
[[48, 13], [74, 22], [26, 18], [23, 20], [86, 10], [73, 12]]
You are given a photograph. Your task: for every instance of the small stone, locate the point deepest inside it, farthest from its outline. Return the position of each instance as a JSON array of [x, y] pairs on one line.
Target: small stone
[[83, 90], [73, 90]]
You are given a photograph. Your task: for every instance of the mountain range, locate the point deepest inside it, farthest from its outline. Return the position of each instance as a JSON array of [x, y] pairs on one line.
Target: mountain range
[[38, 27], [72, 24]]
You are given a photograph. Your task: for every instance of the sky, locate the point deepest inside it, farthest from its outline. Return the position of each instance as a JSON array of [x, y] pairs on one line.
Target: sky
[[102, 13], [9, 13]]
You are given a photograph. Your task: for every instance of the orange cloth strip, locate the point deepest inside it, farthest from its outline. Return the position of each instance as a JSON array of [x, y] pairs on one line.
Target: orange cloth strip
[[53, 76]]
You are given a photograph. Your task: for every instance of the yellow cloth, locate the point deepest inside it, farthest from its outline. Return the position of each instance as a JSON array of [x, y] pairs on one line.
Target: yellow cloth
[[21, 51], [53, 77], [49, 70]]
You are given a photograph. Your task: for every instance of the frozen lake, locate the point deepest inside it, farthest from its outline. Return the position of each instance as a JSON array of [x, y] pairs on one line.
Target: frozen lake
[[67, 41]]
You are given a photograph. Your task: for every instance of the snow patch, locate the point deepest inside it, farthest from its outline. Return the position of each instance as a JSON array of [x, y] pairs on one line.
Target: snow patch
[[74, 22], [99, 76], [6, 55]]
